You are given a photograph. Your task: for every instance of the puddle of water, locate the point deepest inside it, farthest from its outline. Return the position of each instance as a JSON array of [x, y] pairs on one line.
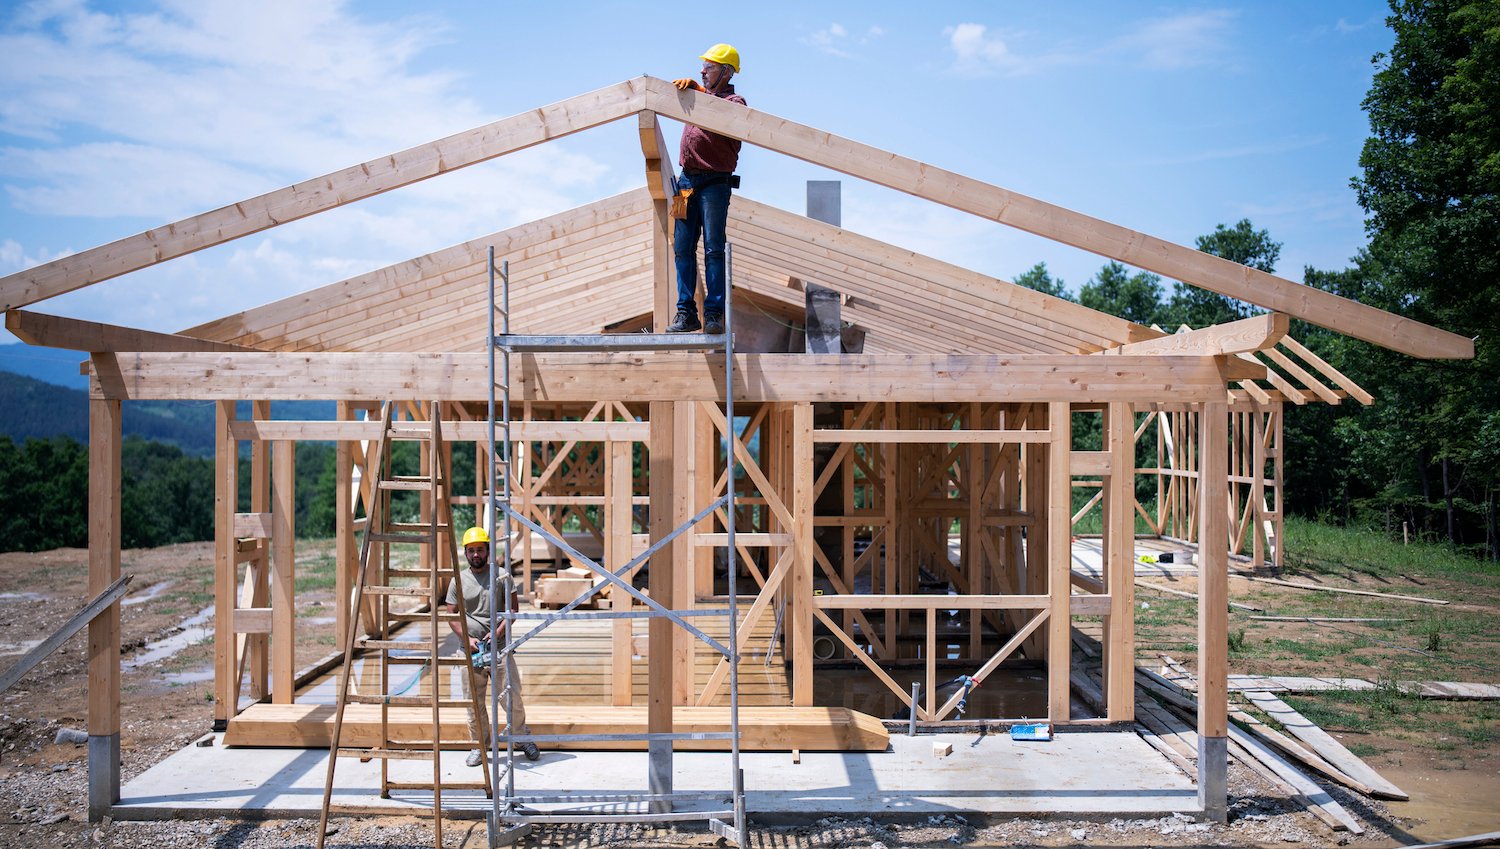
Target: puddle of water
[[21, 597], [192, 676], [1448, 804], [10, 649], [149, 593], [195, 629]]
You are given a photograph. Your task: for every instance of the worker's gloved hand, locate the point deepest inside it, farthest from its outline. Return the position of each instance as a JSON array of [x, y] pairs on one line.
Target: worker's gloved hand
[[685, 83]]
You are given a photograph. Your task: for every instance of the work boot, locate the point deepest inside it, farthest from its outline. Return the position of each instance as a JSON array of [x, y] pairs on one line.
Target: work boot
[[475, 758], [713, 323], [686, 321], [529, 748]]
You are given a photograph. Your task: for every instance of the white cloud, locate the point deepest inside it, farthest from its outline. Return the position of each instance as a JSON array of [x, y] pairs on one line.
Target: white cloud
[[1179, 41], [193, 104], [836, 40], [976, 53]]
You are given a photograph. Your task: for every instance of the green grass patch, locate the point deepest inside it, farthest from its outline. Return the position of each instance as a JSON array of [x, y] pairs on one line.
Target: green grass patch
[[1318, 548]]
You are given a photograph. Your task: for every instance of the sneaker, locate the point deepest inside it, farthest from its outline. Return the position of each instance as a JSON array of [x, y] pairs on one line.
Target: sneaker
[[475, 758], [686, 321], [713, 323]]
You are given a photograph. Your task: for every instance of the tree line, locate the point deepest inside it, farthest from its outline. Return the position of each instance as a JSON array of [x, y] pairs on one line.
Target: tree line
[[1426, 456]]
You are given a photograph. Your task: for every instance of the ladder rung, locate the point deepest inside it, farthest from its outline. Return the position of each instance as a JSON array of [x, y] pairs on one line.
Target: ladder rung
[[405, 701], [412, 539], [414, 527], [447, 785], [446, 660], [393, 645], [408, 485], [390, 754], [420, 592]]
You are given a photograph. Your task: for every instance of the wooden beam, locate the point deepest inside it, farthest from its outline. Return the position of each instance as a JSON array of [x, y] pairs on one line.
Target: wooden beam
[[54, 331], [1251, 334], [455, 431], [104, 629], [283, 573], [800, 626], [1055, 222], [226, 501], [74, 624], [1119, 551], [659, 669], [322, 193], [1213, 609], [567, 377], [1059, 561]]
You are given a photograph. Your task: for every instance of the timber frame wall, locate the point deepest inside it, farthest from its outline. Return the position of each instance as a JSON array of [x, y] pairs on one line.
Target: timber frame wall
[[1009, 371]]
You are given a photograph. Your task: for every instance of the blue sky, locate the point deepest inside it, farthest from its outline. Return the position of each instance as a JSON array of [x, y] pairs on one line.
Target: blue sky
[[1166, 117]]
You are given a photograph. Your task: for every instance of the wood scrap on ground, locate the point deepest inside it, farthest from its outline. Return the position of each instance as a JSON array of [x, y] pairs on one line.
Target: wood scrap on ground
[[1194, 596], [1325, 745], [1349, 591], [1486, 839], [1450, 690]]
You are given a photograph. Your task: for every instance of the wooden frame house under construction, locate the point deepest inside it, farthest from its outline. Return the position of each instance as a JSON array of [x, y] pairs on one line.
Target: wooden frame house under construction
[[909, 503]]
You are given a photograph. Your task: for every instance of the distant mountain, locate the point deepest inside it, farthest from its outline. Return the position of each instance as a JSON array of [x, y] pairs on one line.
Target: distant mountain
[[50, 365], [34, 408]]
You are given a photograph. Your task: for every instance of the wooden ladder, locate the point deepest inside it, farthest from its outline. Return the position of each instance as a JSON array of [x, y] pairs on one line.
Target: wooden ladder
[[383, 586]]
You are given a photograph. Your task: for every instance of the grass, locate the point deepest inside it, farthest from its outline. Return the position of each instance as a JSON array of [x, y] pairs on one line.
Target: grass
[[1316, 548]]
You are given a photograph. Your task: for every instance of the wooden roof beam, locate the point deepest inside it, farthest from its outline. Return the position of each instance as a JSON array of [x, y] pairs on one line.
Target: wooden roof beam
[[567, 377], [1055, 222], [55, 331], [1256, 333], [322, 193]]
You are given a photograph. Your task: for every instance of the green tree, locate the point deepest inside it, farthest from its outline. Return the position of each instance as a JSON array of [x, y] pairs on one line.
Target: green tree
[[1431, 191], [1037, 277], [1133, 297], [1241, 243]]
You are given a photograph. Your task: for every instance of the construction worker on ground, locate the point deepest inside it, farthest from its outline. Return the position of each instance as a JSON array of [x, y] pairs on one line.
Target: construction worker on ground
[[701, 207], [475, 582]]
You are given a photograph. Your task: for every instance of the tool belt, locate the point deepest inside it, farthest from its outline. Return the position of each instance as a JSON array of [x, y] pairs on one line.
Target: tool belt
[[692, 180]]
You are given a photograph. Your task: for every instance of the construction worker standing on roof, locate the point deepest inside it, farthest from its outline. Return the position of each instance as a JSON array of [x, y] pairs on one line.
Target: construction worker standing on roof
[[702, 203], [472, 590]]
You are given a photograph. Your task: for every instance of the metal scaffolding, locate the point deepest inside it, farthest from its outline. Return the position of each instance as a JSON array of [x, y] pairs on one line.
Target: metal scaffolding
[[512, 814]]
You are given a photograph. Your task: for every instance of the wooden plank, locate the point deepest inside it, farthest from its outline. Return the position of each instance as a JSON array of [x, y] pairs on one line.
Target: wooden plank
[[762, 728], [1250, 334], [456, 431], [53, 331], [252, 525], [940, 437], [74, 624], [1119, 549], [621, 548], [1324, 744], [104, 628], [283, 573], [253, 620], [568, 377], [226, 500], [1054, 222], [1322, 367], [322, 193], [800, 626], [1213, 609], [1344, 590], [1059, 561]]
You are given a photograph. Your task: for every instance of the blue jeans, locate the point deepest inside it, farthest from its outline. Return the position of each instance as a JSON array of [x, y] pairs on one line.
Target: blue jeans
[[707, 212]]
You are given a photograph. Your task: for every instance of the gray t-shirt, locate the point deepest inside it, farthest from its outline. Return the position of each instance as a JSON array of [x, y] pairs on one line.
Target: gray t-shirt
[[476, 590]]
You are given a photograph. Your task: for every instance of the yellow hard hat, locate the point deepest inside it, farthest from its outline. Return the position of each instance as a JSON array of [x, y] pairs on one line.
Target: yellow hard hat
[[476, 535], [724, 54]]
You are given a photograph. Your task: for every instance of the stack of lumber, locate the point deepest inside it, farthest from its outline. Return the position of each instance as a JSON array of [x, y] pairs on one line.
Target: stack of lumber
[[558, 589]]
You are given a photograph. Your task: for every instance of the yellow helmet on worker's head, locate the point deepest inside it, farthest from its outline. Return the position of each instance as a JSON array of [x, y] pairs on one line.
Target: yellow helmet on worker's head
[[724, 54], [476, 535]]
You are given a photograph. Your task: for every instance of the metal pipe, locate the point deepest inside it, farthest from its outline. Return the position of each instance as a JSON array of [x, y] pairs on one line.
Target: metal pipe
[[916, 694], [738, 776]]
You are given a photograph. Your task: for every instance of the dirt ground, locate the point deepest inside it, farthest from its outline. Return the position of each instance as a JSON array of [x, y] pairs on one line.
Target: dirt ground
[[1449, 761]]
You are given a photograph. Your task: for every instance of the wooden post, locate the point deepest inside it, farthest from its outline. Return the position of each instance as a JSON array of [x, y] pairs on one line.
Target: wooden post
[[618, 551], [226, 502], [104, 630], [800, 626], [346, 554], [684, 571], [1213, 612], [283, 573], [659, 631], [1119, 559], [257, 661], [1059, 560]]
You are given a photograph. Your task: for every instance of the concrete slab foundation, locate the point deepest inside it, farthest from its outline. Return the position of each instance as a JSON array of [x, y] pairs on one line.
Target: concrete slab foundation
[[1080, 774]]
